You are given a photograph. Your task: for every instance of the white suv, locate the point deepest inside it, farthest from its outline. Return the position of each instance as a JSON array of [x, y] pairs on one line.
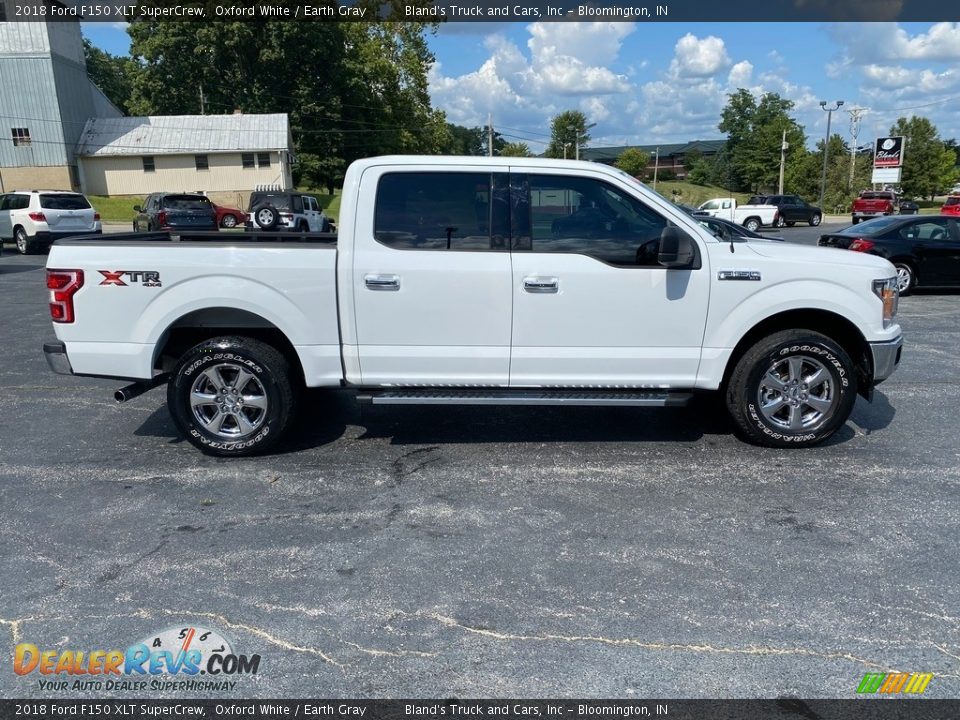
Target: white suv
[[283, 210], [33, 219]]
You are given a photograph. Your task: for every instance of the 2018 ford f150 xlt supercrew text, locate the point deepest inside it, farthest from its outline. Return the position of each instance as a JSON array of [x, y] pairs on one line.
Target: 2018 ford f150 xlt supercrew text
[[478, 281]]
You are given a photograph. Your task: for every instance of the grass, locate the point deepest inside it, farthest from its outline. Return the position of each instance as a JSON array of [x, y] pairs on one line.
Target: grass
[[115, 209], [694, 195]]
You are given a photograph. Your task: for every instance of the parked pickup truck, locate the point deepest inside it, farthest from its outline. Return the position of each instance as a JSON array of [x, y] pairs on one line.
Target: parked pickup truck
[[478, 281], [752, 217], [873, 203]]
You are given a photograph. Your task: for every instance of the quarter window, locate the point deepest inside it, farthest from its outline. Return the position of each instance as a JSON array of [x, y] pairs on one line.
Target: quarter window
[[20, 136], [442, 211], [148, 165], [585, 216]]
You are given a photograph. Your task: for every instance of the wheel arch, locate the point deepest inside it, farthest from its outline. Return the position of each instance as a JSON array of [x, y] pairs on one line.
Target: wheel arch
[[833, 325]]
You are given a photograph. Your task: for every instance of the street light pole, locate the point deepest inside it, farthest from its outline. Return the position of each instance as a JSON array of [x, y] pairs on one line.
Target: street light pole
[[826, 145], [783, 160], [579, 132]]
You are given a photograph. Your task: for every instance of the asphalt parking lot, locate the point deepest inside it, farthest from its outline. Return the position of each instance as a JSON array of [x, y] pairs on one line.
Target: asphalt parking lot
[[473, 552]]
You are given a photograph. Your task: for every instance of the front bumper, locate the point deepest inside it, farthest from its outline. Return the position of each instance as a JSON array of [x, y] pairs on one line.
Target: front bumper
[[56, 355], [886, 357]]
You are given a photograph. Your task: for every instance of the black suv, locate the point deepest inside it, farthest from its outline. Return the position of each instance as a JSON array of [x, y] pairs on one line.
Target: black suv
[[792, 209], [175, 211]]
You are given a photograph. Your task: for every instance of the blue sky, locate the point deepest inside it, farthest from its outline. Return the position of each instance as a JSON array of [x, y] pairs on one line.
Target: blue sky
[[646, 83]]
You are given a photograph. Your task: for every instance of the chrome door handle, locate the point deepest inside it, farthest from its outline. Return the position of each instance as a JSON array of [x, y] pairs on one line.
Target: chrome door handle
[[382, 282], [541, 284]]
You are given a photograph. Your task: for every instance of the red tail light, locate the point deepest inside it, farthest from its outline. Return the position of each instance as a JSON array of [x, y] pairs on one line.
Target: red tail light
[[861, 245], [96, 216], [162, 218], [37, 217], [63, 285]]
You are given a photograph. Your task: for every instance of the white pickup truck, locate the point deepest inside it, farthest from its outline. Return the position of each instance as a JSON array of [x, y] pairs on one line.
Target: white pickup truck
[[752, 217], [478, 281]]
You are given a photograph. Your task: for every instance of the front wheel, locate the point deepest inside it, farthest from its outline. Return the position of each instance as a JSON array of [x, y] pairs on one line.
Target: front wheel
[[791, 389], [228, 221], [752, 224], [231, 396], [815, 220]]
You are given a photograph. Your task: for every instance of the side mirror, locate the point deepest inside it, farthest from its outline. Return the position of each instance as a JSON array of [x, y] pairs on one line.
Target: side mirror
[[677, 249], [137, 208]]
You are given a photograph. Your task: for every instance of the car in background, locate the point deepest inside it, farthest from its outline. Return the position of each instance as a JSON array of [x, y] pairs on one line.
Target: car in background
[[730, 231], [791, 209], [228, 217], [924, 249], [909, 207], [175, 211], [33, 219], [952, 206], [285, 210]]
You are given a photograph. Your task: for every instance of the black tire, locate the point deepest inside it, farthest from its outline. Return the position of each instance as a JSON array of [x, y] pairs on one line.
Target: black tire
[[752, 224], [211, 370], [228, 221], [815, 219], [266, 216], [303, 227], [25, 244], [819, 407], [855, 220], [906, 277], [790, 223]]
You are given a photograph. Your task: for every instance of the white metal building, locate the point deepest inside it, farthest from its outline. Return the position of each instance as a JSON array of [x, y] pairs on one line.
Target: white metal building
[[225, 156]]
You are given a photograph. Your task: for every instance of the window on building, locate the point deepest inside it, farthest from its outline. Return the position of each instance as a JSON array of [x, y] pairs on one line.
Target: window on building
[[148, 165], [247, 159], [442, 211], [21, 136], [201, 162], [263, 160], [568, 214]]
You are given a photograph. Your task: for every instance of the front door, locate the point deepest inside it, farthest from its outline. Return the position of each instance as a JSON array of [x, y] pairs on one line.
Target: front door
[[431, 277], [592, 306]]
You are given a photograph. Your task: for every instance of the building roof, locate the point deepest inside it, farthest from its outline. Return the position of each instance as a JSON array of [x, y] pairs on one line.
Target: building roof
[[610, 154], [174, 134]]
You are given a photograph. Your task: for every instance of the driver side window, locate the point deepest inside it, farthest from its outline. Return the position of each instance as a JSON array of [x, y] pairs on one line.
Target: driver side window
[[590, 217]]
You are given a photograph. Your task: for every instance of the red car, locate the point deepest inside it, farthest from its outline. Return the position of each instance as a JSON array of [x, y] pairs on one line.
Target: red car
[[951, 206], [230, 217]]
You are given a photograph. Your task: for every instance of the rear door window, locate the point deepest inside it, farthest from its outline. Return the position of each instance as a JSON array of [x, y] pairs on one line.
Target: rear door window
[[63, 201]]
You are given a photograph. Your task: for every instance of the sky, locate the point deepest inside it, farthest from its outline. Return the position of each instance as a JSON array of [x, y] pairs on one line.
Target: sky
[[668, 82]]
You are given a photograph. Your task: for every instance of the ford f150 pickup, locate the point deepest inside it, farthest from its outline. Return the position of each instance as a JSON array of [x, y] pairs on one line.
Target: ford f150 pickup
[[478, 281], [752, 217]]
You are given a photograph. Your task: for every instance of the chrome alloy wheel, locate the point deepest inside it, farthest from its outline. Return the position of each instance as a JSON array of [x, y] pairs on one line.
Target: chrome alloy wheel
[[904, 278], [228, 401], [797, 393]]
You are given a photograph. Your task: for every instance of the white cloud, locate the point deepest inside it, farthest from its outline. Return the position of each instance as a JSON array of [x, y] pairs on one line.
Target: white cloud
[[741, 74], [877, 42], [698, 58]]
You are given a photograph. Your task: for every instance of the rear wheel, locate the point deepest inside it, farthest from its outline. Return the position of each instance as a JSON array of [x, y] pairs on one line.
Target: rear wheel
[[854, 219], [791, 389], [25, 244], [228, 221], [752, 224], [232, 396], [906, 277], [815, 219]]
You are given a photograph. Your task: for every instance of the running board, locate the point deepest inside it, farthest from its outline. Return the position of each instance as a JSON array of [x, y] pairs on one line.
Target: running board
[[453, 396]]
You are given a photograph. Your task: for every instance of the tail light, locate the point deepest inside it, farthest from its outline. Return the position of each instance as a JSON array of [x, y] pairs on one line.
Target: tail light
[[861, 245], [96, 216], [37, 216], [63, 285], [162, 218]]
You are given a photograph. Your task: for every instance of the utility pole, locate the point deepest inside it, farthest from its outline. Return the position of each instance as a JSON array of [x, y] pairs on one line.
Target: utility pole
[[656, 165], [783, 159], [856, 115], [826, 145], [202, 107], [490, 134]]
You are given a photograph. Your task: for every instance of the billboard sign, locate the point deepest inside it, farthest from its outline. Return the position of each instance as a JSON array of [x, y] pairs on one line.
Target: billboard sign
[[888, 152]]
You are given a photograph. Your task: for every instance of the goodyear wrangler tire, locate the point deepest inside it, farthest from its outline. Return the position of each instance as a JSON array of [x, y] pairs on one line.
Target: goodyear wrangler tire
[[231, 396], [792, 389]]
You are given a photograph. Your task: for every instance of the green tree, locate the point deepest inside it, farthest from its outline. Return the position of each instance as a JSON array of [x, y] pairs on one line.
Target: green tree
[[111, 73], [928, 163], [516, 149], [754, 131], [566, 130], [633, 161]]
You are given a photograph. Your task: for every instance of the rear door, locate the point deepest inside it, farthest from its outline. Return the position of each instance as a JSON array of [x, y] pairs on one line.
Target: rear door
[[937, 249], [592, 307], [431, 276], [6, 227]]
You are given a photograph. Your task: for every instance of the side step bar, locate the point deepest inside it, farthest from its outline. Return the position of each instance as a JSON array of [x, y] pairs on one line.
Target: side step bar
[[493, 396]]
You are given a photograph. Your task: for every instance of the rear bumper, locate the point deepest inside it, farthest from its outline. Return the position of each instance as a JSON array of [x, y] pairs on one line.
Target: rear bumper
[[47, 236], [56, 355], [886, 357]]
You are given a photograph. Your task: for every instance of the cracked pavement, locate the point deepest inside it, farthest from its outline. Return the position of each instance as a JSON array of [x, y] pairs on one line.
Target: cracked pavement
[[476, 552]]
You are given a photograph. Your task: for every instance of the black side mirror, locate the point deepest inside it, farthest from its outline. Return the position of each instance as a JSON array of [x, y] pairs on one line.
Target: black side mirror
[[677, 249], [137, 208]]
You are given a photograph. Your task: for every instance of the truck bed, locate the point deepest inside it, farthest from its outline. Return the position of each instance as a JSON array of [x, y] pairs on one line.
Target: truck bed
[[204, 236]]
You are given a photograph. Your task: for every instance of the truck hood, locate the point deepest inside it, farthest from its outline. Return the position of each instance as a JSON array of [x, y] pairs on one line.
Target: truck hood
[[792, 252]]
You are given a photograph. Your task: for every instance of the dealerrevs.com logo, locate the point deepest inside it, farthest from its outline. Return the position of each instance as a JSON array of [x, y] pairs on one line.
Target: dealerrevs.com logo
[[181, 658]]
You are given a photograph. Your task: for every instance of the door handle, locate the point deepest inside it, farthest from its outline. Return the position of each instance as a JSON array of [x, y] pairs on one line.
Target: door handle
[[541, 284], [382, 282]]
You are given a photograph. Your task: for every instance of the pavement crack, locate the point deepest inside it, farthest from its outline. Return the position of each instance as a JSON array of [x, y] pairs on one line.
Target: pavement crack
[[14, 626], [646, 645], [389, 653]]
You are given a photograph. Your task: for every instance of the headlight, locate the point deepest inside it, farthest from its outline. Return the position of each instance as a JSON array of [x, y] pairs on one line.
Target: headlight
[[889, 295]]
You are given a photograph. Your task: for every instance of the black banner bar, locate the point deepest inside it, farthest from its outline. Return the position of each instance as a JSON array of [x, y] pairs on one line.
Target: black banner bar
[[782, 709]]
